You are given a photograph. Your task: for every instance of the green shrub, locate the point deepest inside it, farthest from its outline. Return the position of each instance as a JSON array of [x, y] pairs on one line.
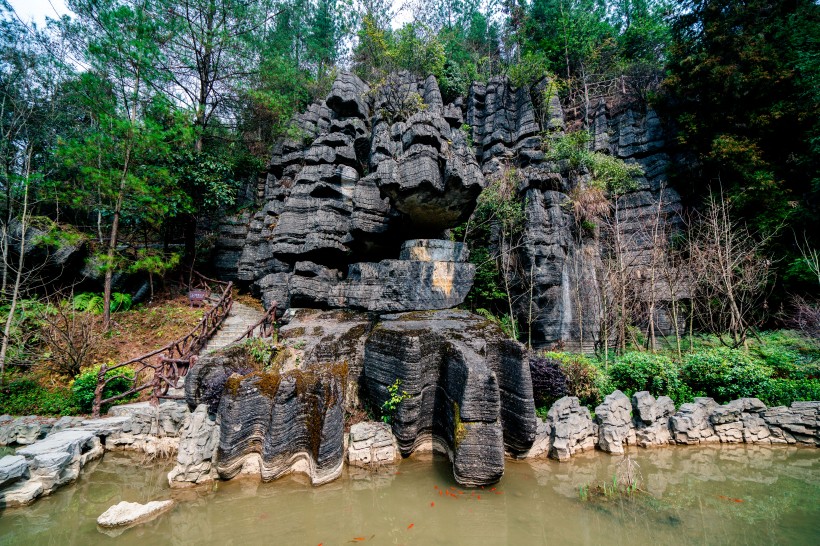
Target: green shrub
[[24, 396], [725, 374], [782, 392], [635, 371], [91, 302], [584, 379], [84, 385]]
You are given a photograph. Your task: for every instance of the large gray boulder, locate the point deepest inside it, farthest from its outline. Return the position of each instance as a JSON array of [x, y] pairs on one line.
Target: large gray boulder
[[12, 468], [572, 428], [614, 419], [691, 424], [651, 418], [127, 514]]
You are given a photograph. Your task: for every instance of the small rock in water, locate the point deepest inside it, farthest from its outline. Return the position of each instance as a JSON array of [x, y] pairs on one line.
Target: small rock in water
[[126, 514]]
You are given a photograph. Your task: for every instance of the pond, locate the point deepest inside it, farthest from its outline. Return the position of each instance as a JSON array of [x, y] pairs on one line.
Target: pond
[[707, 495]]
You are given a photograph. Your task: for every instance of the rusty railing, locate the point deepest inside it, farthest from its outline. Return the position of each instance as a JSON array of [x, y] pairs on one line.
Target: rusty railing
[[170, 363], [264, 327]]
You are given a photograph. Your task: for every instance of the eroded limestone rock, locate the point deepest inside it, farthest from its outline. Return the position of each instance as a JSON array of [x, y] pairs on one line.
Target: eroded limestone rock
[[469, 388], [127, 514], [614, 419], [572, 429], [691, 425], [372, 444], [199, 438], [651, 418]]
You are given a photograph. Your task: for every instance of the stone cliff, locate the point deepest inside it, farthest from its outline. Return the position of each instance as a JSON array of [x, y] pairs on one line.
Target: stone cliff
[[367, 169]]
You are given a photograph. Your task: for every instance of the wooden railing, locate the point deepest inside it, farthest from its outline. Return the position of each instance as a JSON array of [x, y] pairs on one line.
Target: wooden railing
[[264, 327], [170, 363]]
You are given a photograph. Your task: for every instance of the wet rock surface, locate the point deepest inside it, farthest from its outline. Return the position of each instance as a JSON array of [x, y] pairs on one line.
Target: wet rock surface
[[272, 422], [127, 514], [468, 388]]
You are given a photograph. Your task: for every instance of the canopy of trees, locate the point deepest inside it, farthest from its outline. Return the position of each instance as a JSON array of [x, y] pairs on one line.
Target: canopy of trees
[[135, 120]]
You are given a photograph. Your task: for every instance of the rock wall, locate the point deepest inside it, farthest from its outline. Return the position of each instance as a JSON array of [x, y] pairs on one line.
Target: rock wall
[[366, 169], [649, 422]]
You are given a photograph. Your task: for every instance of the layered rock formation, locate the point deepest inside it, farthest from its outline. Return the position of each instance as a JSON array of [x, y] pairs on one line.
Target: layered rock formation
[[366, 169], [469, 389], [467, 386]]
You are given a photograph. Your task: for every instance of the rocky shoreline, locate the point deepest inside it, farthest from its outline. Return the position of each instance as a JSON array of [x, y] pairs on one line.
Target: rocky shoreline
[[41, 466]]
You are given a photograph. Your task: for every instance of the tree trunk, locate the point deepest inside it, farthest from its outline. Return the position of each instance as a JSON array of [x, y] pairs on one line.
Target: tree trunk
[[18, 277]]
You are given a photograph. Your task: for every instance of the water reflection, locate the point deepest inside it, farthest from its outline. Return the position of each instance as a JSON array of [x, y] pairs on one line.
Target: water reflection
[[714, 495]]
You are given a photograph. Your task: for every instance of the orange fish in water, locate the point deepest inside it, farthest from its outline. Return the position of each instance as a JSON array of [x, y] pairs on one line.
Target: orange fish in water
[[410, 526], [358, 539], [499, 492], [479, 497], [432, 504], [493, 489], [731, 499], [435, 487], [440, 493]]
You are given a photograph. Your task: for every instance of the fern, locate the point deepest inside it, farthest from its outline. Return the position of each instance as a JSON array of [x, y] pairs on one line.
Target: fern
[[88, 302], [91, 302]]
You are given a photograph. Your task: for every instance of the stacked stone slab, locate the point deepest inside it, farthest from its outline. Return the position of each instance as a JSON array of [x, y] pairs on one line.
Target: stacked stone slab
[[372, 445], [40, 468]]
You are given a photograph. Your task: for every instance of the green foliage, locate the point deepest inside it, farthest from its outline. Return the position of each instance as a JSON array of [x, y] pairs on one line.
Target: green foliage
[[637, 371], [92, 302], [584, 378], [606, 172], [25, 396], [725, 374], [532, 67], [84, 385], [505, 322], [262, 351], [782, 392], [395, 396]]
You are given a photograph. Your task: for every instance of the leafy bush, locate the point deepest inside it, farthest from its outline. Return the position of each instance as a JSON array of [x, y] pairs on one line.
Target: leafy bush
[[635, 371], [782, 392], [725, 374], [584, 379], [549, 383], [25, 396], [84, 385]]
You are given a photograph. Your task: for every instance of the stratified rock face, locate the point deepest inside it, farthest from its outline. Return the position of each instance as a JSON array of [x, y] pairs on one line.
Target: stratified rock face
[[272, 422], [423, 283], [361, 172], [468, 388]]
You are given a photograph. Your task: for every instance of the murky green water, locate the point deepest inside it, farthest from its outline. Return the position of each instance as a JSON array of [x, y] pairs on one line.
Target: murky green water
[[718, 495]]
